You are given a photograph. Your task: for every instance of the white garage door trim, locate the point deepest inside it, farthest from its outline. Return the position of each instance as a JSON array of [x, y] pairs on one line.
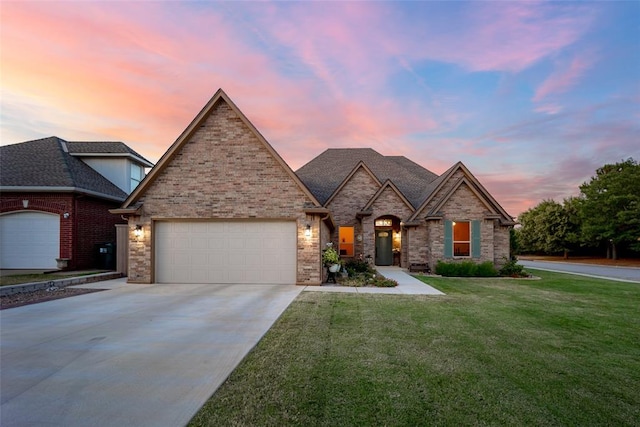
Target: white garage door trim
[[29, 239], [247, 252]]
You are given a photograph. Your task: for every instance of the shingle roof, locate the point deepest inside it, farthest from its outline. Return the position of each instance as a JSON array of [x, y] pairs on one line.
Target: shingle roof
[[103, 147], [46, 163], [326, 172]]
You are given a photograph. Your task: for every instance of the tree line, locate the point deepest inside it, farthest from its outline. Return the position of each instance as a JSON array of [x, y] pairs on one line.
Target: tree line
[[605, 217]]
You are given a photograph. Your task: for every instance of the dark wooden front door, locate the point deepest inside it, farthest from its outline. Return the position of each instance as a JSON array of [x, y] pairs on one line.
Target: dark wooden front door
[[384, 247]]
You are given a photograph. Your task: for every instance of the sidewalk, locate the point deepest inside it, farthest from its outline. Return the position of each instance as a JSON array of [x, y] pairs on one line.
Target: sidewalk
[[407, 285]]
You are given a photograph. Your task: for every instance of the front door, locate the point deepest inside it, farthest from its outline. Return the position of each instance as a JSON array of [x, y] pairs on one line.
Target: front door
[[384, 254]]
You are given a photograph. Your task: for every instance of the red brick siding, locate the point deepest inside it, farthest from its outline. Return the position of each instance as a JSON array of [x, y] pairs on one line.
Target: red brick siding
[[89, 221]]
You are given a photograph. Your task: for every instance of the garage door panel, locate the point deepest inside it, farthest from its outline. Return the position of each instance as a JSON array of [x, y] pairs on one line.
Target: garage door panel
[[226, 252], [29, 240]]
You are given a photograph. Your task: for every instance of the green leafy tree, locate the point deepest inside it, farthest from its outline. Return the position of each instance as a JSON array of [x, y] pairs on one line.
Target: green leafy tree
[[550, 227], [610, 206]]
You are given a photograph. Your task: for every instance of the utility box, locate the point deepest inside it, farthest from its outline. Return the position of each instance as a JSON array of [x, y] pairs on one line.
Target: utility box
[[106, 256]]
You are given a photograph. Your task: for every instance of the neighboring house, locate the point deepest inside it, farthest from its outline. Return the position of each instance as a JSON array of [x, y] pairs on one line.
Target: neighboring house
[[221, 206], [55, 198]]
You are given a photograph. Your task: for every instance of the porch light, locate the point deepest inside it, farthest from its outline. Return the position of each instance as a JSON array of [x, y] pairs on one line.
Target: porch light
[[138, 231], [307, 231]]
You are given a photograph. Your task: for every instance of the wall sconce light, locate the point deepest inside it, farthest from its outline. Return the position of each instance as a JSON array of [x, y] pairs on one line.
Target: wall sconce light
[[307, 231], [66, 215], [138, 231]]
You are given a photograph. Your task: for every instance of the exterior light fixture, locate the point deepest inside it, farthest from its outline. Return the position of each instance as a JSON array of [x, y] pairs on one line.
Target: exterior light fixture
[[307, 231], [66, 215], [138, 231]]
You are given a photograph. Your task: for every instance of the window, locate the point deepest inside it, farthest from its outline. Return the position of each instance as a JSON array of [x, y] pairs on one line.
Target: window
[[345, 234], [384, 222], [137, 173], [461, 238]]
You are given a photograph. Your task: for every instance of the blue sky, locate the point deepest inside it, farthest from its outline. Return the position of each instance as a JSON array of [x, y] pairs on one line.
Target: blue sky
[[532, 96]]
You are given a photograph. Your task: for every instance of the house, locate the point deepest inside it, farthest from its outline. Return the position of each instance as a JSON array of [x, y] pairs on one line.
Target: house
[[55, 197], [221, 206], [395, 212]]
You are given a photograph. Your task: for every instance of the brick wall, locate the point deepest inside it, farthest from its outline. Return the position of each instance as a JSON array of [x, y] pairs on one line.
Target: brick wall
[[353, 196], [224, 172], [387, 203], [89, 222], [463, 205]]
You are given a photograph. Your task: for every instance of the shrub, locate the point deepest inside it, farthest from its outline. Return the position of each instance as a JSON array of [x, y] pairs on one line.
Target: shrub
[[513, 269], [466, 269], [382, 282], [356, 267], [486, 269]]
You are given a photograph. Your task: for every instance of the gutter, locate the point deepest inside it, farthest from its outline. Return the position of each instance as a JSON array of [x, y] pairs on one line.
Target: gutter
[[45, 189]]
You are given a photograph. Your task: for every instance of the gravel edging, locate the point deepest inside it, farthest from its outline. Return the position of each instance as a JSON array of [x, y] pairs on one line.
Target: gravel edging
[[34, 297]]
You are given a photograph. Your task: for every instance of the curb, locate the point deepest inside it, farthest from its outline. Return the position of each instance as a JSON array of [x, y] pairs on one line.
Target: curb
[[59, 283]]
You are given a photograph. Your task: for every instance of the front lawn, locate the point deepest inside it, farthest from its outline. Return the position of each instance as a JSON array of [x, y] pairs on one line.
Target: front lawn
[[563, 350]]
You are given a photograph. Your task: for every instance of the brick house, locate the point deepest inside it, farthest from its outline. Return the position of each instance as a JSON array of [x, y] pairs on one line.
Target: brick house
[[221, 206], [55, 197], [395, 212]]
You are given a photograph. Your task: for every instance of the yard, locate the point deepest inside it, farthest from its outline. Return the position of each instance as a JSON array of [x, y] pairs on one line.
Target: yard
[[562, 350]]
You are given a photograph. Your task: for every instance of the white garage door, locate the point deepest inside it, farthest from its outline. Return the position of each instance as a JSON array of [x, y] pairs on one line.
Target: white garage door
[[29, 240], [225, 252]]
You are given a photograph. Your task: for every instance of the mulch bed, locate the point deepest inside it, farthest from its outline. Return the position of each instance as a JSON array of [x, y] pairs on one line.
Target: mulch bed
[[26, 298]]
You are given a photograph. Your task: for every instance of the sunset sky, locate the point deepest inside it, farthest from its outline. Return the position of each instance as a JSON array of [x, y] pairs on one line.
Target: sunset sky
[[532, 96]]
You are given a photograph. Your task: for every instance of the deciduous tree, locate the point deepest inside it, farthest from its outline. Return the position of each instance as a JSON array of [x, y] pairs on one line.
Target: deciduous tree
[[610, 206]]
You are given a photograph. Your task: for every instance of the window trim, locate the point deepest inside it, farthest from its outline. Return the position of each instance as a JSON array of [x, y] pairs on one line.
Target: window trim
[[453, 241]]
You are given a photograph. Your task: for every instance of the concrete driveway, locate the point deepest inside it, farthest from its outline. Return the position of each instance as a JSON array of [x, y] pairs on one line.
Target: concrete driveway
[[135, 355]]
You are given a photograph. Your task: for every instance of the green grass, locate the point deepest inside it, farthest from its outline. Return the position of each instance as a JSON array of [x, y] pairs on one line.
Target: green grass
[[563, 350], [17, 279]]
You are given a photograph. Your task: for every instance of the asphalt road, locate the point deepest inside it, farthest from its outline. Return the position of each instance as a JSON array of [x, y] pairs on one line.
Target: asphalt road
[[629, 274]]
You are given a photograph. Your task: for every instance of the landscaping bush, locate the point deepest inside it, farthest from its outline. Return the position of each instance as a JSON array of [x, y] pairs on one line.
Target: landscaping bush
[[466, 269], [382, 282], [513, 269], [355, 267]]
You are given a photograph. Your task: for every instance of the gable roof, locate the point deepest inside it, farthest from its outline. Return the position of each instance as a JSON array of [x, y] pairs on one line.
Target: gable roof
[[388, 184], [359, 166], [472, 182], [105, 149], [326, 173], [220, 96], [46, 165]]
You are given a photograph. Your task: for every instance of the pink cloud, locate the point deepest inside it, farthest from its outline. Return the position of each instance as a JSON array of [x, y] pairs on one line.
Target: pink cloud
[[565, 77], [509, 36]]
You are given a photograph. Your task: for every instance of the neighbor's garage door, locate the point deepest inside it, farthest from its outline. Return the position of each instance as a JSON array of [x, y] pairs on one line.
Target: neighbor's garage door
[[225, 252], [29, 240]]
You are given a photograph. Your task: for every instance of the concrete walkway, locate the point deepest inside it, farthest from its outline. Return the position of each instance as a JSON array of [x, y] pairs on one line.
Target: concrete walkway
[[407, 285], [135, 355]]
